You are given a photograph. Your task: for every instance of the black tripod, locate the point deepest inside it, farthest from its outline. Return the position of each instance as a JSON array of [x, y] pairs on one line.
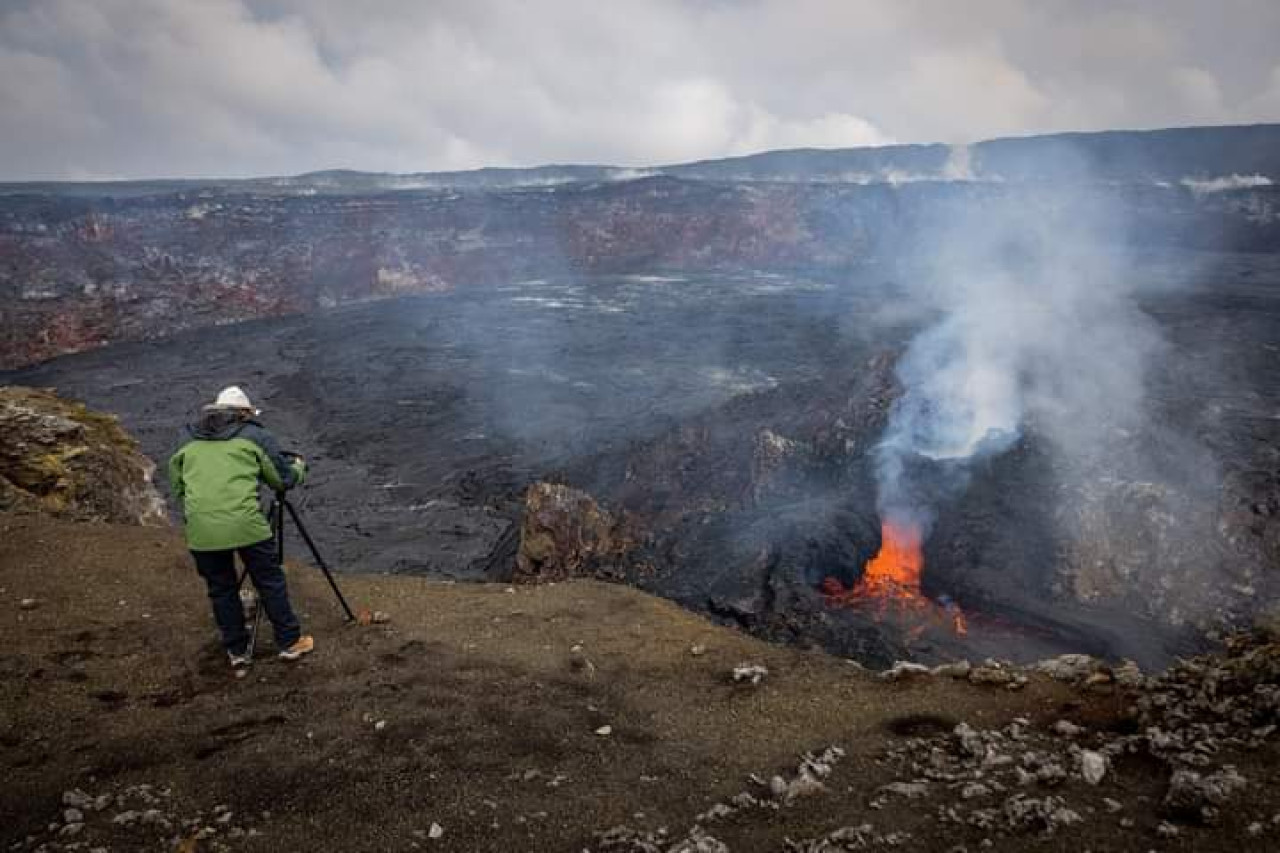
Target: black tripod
[[276, 514]]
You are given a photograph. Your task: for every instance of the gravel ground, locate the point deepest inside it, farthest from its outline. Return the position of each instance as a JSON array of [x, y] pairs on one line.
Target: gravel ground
[[569, 717]]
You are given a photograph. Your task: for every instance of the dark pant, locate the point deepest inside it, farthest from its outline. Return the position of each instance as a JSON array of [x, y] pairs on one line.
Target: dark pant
[[218, 568]]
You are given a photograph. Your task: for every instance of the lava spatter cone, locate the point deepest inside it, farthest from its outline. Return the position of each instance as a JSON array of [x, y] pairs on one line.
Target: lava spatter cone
[[890, 582]]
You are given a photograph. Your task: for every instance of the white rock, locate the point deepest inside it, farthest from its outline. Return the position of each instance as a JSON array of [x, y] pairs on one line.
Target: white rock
[[910, 790], [1068, 667], [777, 786], [604, 731], [902, 670], [76, 798], [436, 831], [1093, 766], [956, 669], [1066, 728]]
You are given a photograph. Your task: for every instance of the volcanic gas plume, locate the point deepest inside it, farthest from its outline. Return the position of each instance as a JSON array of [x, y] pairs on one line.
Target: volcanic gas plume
[[1032, 328]]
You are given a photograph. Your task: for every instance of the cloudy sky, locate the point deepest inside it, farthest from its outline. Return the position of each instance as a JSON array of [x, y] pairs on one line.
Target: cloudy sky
[[140, 88]]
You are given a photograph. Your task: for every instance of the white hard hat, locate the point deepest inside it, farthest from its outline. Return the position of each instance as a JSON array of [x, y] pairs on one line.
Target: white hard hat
[[232, 397]]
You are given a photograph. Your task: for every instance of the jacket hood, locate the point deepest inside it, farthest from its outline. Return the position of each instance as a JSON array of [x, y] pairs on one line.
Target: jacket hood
[[218, 425]]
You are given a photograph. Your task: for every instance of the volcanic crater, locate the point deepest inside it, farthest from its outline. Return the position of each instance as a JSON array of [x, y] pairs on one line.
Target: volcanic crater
[[724, 425], [1028, 411]]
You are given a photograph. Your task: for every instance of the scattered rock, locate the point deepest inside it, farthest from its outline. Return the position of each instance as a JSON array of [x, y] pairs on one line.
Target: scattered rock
[[849, 838], [1128, 675], [903, 670], [910, 790], [1069, 668], [750, 673], [1066, 728], [1093, 766], [624, 839], [990, 674], [77, 799], [956, 669], [1196, 797], [1022, 814]]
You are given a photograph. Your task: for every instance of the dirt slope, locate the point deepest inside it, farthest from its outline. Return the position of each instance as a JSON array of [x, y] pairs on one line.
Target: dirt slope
[[475, 708]]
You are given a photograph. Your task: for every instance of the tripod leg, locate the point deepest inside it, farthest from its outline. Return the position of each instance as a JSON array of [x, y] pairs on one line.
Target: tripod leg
[[277, 526], [306, 537], [257, 615], [253, 632]]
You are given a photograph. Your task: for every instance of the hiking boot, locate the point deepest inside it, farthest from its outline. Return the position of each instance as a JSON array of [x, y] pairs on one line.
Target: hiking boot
[[239, 661], [303, 646]]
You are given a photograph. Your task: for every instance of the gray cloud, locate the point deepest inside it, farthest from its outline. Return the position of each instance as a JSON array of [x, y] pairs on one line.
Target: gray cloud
[[133, 88]]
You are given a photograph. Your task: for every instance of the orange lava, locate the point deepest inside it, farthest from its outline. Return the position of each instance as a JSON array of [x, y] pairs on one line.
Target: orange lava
[[895, 571], [891, 580]]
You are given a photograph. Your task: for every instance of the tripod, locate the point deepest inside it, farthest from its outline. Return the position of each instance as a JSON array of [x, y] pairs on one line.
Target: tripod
[[275, 513]]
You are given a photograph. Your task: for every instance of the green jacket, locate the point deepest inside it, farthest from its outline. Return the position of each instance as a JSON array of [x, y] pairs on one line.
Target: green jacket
[[215, 478]]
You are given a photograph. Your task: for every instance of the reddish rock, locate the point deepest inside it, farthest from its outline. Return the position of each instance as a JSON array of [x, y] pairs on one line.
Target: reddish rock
[[565, 534]]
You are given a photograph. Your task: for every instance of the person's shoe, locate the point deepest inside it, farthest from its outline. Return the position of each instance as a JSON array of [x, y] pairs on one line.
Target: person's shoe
[[304, 646], [239, 661]]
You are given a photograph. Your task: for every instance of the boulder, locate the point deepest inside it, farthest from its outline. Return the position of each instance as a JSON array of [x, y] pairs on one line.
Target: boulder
[[1194, 796], [565, 534], [59, 458]]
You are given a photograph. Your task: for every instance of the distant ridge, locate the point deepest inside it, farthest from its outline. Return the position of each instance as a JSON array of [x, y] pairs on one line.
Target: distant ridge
[[1127, 156]]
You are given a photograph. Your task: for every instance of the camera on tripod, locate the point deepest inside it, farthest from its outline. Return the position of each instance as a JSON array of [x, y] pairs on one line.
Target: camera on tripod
[[280, 504]]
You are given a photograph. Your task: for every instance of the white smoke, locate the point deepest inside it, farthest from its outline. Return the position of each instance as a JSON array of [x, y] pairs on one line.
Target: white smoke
[[1225, 183], [1035, 325], [959, 166]]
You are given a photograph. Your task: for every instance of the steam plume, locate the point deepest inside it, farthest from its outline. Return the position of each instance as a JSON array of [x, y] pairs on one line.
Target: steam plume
[[1034, 324]]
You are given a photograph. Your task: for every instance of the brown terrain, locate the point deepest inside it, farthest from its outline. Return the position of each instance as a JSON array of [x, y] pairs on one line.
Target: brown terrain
[[536, 718]]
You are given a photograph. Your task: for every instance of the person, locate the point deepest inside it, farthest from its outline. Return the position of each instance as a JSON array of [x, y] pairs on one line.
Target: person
[[215, 477]]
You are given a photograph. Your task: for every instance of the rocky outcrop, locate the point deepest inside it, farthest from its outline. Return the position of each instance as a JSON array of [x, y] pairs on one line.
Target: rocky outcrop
[[565, 534], [60, 458]]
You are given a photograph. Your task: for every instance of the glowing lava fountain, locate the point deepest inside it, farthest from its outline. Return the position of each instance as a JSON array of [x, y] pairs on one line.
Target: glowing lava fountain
[[895, 571], [891, 580]]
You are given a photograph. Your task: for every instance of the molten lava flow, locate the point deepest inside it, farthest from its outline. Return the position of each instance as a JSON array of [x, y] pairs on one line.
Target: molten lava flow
[[895, 571], [891, 580]]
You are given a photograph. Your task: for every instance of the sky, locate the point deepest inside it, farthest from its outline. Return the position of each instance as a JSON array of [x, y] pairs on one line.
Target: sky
[[108, 89]]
